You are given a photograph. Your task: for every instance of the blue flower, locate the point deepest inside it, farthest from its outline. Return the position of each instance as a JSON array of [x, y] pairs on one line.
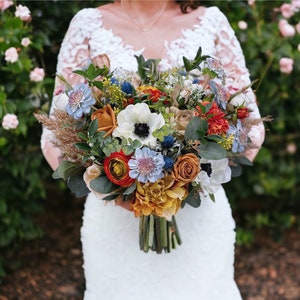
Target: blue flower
[[168, 141], [80, 101], [239, 135], [114, 80], [219, 93], [126, 87], [169, 162], [146, 165]]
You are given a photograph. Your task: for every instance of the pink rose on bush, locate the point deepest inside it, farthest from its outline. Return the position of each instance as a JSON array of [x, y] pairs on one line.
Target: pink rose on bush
[[287, 10], [23, 13], [11, 55], [242, 25], [4, 4], [296, 4], [286, 65], [251, 2], [37, 74], [10, 121], [298, 27], [25, 42], [286, 29]]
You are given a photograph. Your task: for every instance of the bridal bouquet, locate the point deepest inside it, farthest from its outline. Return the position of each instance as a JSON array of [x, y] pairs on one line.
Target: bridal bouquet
[[154, 140]]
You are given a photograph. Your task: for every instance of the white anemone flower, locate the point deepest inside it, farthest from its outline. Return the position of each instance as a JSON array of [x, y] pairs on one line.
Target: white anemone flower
[[137, 122], [213, 173]]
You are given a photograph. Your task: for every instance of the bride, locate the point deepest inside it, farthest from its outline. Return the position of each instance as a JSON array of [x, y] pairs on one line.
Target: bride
[[202, 267]]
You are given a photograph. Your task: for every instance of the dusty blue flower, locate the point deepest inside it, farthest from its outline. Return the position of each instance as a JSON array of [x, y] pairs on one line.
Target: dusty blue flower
[[80, 101], [168, 141], [146, 165], [240, 137], [220, 94], [127, 88], [169, 162]]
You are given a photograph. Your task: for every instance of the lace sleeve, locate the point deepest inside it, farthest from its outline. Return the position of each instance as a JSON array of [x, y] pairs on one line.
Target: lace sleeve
[[230, 53], [74, 50]]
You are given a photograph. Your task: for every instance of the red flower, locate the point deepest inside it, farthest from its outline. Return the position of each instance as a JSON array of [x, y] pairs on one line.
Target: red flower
[[215, 117], [242, 112], [117, 170], [153, 93]]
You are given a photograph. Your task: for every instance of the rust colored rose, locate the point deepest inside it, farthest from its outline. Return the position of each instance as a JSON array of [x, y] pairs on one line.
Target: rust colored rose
[[181, 118], [162, 198], [117, 170], [106, 119], [186, 168]]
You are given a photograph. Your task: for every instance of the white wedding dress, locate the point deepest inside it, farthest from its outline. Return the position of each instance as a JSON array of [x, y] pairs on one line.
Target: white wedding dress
[[115, 268]]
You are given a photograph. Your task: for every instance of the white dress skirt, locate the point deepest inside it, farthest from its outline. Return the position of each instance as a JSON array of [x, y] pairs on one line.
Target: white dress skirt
[[202, 268]]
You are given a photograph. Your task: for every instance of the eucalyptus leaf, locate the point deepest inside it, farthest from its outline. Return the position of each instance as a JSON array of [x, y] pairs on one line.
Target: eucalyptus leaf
[[102, 185], [191, 131], [111, 197], [67, 169], [212, 151], [93, 127], [77, 185], [236, 170], [244, 161], [130, 189], [193, 198]]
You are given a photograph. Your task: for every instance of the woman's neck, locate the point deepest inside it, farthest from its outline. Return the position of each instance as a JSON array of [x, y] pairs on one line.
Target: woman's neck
[[145, 13]]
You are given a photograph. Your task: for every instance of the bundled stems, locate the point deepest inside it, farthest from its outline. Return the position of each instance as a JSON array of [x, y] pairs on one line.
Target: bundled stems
[[158, 234]]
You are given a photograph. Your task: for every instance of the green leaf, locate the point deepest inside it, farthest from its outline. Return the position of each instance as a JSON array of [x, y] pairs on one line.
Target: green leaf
[[67, 169], [194, 128], [83, 146], [93, 127], [102, 185], [193, 198], [244, 161], [130, 189], [111, 197], [78, 186], [212, 151]]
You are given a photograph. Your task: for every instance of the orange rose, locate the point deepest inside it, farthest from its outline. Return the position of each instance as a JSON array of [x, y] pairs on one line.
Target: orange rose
[[106, 119], [186, 168]]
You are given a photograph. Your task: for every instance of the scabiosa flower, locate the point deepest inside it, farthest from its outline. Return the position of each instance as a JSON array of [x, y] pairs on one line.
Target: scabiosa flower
[[240, 137], [146, 165], [136, 122], [80, 101], [220, 94], [213, 173]]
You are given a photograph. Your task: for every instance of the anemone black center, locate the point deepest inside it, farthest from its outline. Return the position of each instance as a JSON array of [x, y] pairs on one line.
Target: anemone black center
[[207, 168], [141, 130]]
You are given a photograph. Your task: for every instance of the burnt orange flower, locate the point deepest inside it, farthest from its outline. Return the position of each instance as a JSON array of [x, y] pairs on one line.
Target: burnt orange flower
[[106, 119], [117, 170], [153, 93], [186, 168]]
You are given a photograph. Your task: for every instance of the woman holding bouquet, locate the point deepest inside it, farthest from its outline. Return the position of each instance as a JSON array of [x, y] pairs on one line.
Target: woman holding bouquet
[[202, 267]]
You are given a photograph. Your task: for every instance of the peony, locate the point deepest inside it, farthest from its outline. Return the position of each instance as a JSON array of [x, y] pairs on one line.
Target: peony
[[137, 122], [162, 198], [106, 119], [37, 74], [186, 168], [11, 55], [213, 174], [117, 170], [286, 65], [25, 42], [286, 29], [23, 13], [4, 4], [10, 121]]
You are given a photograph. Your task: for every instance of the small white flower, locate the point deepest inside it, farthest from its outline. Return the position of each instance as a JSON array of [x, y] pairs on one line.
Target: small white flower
[[137, 122], [37, 74], [213, 173], [242, 25], [10, 121], [25, 42], [11, 55], [23, 12]]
